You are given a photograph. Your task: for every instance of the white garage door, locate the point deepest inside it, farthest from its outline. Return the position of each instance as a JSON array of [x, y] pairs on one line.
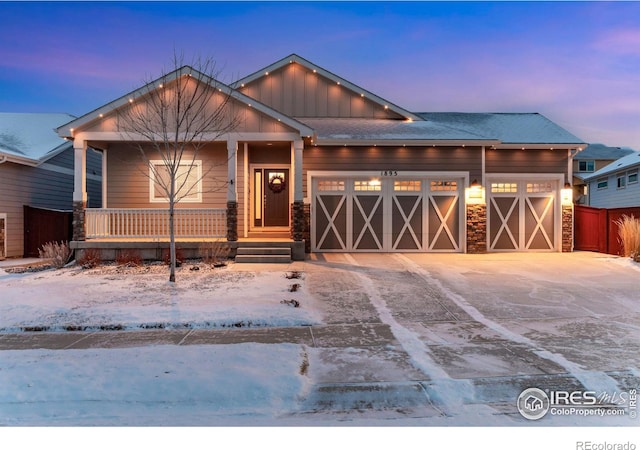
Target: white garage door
[[387, 215], [523, 214]]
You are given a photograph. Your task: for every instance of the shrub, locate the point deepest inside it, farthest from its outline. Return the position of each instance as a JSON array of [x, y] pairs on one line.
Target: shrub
[[166, 256], [214, 252], [128, 257], [629, 234], [57, 252], [91, 257]]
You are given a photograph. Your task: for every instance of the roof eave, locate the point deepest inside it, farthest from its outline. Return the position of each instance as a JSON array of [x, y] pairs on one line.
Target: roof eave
[[343, 82], [9, 157], [405, 142], [66, 130]]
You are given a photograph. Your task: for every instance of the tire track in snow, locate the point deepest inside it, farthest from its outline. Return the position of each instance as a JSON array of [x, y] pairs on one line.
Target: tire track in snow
[[592, 380], [452, 395]]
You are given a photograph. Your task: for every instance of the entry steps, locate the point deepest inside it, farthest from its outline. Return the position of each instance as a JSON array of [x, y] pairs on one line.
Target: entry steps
[[263, 255]]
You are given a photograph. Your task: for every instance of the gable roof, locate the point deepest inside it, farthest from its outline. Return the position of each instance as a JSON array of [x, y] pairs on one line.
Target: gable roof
[[329, 75], [30, 138], [67, 129], [626, 162], [508, 128], [601, 151]]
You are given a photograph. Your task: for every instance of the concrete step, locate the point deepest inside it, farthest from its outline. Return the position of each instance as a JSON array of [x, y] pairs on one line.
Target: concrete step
[[263, 259], [264, 251]]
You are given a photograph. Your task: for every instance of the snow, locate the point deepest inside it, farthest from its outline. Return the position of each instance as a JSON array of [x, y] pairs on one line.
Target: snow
[[31, 135], [112, 297], [277, 384]]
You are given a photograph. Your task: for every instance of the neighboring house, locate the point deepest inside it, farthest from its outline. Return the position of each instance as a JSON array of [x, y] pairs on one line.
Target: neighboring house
[[616, 185], [593, 158], [37, 170], [317, 158]]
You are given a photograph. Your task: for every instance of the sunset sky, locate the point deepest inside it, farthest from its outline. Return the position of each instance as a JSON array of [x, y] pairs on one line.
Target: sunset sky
[[578, 63]]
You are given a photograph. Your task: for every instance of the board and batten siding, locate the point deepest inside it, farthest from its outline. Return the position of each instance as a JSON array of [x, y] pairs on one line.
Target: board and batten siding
[[128, 177], [526, 161], [409, 159], [612, 196], [48, 186], [297, 91], [248, 119]]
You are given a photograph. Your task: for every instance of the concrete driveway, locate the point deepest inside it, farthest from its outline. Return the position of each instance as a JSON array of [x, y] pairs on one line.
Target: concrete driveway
[[473, 331]]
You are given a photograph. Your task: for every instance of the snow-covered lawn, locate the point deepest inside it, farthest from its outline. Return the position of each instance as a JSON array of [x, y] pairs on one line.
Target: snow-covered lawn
[[113, 297], [394, 304]]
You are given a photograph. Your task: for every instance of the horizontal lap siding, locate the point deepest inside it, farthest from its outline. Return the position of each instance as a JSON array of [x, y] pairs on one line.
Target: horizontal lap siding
[[526, 161], [40, 188], [128, 181], [423, 159], [612, 197]]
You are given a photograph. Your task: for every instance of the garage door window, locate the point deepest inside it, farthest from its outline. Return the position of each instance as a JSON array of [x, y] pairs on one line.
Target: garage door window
[[330, 185], [504, 187], [407, 186], [369, 185], [444, 186]]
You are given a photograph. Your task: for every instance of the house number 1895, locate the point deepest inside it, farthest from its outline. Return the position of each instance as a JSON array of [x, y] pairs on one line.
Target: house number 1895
[[389, 173]]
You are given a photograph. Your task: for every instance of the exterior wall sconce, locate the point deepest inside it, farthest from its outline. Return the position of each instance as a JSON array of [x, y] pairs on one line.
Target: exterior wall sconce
[[474, 194], [566, 195]]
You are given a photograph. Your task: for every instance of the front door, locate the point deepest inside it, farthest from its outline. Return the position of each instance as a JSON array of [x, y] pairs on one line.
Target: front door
[[271, 199]]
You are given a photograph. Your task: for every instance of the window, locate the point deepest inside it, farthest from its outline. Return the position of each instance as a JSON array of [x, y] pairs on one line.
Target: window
[[407, 185], [632, 176], [504, 187], [188, 182], [444, 186], [330, 185], [621, 180], [586, 166], [373, 185], [539, 187], [603, 183]]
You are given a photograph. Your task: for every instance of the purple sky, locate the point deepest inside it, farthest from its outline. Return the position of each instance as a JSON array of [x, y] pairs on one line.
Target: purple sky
[[577, 63]]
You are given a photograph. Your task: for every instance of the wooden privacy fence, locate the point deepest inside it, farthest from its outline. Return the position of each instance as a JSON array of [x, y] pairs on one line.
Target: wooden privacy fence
[[595, 229], [42, 226], [154, 223]]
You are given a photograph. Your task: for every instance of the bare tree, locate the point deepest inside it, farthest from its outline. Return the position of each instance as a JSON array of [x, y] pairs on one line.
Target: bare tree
[[169, 122]]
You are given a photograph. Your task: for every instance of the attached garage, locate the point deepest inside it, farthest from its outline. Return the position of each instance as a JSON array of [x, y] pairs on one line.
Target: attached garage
[[388, 212], [524, 212]]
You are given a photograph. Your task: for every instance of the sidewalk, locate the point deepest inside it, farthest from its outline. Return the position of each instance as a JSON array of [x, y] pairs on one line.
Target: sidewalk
[[314, 336], [20, 262]]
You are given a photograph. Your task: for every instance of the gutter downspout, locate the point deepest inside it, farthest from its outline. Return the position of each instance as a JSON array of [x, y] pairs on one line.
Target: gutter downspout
[[3, 159]]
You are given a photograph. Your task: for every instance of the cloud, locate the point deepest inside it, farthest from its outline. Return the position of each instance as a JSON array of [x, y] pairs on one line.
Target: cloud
[[620, 42]]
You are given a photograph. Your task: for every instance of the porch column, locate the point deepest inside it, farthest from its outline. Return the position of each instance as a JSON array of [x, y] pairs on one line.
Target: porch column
[[297, 208], [232, 191], [79, 189]]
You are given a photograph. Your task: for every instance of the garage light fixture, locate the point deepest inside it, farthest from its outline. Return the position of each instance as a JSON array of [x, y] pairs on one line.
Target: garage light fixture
[[566, 195], [474, 194]]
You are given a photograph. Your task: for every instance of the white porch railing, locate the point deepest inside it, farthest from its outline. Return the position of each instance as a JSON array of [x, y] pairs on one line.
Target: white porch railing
[[154, 223]]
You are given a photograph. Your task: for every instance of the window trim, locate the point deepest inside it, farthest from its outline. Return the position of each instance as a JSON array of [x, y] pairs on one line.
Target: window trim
[[621, 180], [192, 198], [629, 174], [587, 163], [602, 184]]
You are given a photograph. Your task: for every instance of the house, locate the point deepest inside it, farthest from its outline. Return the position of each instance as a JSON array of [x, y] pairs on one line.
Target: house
[[37, 170], [319, 160], [593, 158], [616, 185]]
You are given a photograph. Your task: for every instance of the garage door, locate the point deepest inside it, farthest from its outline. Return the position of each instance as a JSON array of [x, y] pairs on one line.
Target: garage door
[[523, 215], [387, 215]]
